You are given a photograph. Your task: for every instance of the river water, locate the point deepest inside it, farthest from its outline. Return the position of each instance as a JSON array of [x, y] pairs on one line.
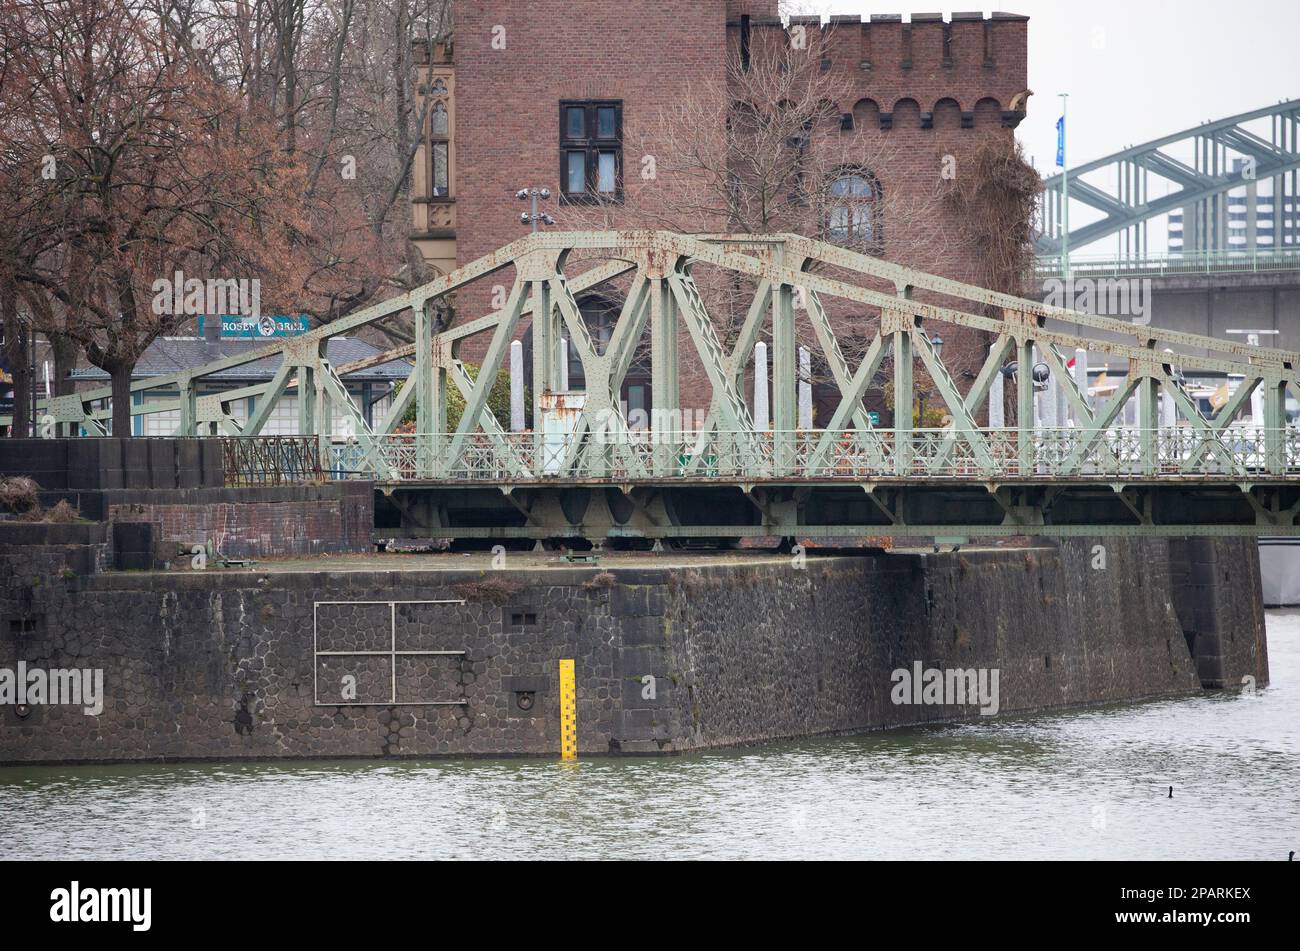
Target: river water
[[1093, 784]]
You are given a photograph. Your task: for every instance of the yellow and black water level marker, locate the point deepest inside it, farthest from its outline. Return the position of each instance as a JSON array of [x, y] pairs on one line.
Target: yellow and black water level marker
[[568, 712]]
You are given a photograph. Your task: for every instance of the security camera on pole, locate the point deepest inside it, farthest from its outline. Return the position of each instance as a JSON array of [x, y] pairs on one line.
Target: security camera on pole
[[525, 194]]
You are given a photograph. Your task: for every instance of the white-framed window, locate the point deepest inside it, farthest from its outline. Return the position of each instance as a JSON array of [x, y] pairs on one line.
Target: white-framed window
[[157, 424], [341, 421], [283, 420]]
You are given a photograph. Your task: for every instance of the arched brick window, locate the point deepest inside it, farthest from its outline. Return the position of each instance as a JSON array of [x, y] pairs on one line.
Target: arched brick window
[[866, 116], [854, 208]]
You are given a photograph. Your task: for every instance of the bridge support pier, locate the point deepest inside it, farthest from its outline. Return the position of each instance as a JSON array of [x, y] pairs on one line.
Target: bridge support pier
[[1217, 596]]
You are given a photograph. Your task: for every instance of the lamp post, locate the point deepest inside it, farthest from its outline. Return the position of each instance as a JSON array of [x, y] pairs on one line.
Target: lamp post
[[937, 343], [535, 216], [1065, 194], [30, 322], [1039, 376]]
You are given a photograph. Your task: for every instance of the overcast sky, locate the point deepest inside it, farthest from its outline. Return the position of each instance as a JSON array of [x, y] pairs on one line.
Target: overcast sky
[[1142, 69]]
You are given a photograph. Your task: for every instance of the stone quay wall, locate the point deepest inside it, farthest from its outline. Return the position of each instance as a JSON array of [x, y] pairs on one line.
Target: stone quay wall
[[741, 649]]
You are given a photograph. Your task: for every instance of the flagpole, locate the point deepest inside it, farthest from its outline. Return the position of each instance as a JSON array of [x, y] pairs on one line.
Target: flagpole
[[1065, 194]]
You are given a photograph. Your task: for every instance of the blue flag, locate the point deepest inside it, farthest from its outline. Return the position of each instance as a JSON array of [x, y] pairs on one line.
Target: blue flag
[[1060, 142]]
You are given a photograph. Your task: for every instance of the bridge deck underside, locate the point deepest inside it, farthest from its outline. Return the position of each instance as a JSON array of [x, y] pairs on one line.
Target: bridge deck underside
[[949, 508]]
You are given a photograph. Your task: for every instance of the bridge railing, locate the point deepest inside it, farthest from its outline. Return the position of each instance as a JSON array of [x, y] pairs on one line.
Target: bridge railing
[[1171, 264], [272, 460], [1180, 454]]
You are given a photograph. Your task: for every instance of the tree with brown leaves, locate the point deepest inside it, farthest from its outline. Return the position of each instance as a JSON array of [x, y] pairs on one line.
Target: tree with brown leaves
[[137, 166]]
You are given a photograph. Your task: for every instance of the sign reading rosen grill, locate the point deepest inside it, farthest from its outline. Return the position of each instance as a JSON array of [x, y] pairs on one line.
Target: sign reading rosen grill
[[238, 326]]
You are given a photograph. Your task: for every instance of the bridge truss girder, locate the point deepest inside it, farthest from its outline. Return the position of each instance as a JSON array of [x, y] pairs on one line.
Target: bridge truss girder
[[792, 279]]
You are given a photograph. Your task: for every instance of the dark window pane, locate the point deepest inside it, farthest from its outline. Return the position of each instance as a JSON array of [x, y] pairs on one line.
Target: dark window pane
[[575, 124], [575, 180], [605, 122], [862, 222], [577, 379], [839, 223], [440, 179]]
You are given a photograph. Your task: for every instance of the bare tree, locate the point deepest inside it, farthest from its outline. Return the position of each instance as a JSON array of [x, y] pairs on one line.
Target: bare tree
[[268, 138], [137, 166]]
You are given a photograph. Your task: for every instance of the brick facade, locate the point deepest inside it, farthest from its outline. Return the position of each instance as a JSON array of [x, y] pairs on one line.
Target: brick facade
[[269, 522], [928, 89]]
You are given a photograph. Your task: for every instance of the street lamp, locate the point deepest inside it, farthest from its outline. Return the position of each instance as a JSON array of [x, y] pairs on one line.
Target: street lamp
[[1065, 191], [30, 321], [533, 217], [936, 342], [1039, 375]]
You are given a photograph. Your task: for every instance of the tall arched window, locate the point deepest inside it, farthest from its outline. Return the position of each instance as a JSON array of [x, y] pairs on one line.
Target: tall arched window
[[854, 208], [440, 150]]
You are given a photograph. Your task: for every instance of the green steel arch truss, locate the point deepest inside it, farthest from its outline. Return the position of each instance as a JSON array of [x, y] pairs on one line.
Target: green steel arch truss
[[1126, 200], [1190, 475]]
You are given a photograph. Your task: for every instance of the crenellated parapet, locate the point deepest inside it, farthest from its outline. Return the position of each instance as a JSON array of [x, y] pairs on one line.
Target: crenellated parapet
[[964, 72], [738, 8]]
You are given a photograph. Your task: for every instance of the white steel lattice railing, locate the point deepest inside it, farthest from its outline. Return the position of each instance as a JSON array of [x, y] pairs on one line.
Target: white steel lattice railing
[[1182, 453]]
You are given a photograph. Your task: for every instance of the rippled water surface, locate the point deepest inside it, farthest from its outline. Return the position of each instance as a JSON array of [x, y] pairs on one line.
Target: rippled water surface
[[1092, 784]]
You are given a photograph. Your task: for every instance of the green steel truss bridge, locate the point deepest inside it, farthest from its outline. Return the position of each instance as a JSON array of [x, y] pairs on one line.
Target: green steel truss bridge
[[1198, 166], [586, 472]]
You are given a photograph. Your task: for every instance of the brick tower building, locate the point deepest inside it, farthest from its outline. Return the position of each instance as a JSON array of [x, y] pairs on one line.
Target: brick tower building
[[570, 95]]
